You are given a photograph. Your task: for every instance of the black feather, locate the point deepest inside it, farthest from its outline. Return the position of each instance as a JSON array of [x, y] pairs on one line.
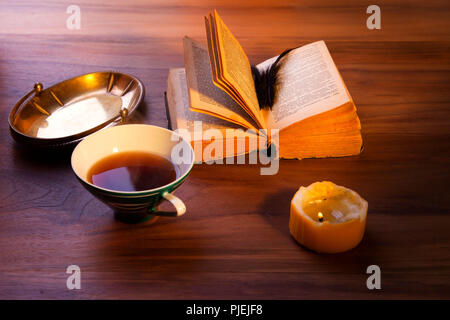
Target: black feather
[[266, 82]]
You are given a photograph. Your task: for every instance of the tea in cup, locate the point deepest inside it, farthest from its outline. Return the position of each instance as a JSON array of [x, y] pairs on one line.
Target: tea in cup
[[131, 168]]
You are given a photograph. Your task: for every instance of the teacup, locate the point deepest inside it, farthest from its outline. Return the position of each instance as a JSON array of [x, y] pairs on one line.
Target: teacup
[[134, 206]]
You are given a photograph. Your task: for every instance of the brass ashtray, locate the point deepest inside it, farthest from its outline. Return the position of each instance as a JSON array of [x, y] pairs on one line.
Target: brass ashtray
[[67, 112]]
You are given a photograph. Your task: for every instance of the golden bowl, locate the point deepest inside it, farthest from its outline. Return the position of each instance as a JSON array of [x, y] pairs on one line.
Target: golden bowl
[[68, 111]]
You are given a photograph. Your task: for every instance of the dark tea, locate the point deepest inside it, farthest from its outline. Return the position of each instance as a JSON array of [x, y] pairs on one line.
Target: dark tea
[[132, 171]]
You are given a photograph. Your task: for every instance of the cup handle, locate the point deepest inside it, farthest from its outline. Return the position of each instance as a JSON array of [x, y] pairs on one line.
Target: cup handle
[[176, 202]]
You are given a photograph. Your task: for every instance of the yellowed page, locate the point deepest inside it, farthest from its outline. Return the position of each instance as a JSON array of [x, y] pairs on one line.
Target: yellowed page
[[203, 94], [309, 84], [216, 65], [236, 68], [181, 117], [211, 53]]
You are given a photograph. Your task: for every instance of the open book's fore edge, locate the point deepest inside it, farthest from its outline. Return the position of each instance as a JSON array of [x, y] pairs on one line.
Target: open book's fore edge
[[339, 115], [353, 147]]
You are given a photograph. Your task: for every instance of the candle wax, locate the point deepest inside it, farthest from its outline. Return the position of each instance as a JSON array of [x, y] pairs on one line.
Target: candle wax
[[327, 218], [336, 208]]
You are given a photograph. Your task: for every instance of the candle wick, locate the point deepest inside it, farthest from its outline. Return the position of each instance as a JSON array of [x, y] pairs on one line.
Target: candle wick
[[320, 216]]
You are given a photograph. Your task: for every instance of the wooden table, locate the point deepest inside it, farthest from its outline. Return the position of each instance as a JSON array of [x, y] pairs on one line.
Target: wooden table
[[234, 240]]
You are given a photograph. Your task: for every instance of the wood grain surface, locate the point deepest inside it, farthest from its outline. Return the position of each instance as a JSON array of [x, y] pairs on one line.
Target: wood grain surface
[[234, 241]]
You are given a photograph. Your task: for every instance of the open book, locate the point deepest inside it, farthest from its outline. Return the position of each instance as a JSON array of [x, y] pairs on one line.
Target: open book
[[312, 108]]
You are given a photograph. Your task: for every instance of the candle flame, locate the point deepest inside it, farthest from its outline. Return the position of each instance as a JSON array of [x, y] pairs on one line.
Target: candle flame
[[320, 216]]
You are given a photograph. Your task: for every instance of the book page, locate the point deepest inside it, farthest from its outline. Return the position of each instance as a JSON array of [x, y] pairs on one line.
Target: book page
[[181, 117], [309, 83], [214, 59], [203, 94], [197, 124], [236, 68]]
